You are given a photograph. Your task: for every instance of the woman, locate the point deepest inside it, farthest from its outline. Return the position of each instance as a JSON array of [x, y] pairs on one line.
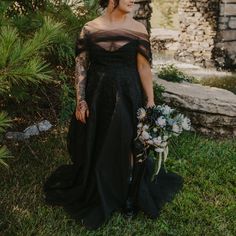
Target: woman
[[113, 79]]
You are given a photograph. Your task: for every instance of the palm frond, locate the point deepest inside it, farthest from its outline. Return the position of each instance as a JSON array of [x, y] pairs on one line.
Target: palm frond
[[4, 154], [8, 40], [5, 122]]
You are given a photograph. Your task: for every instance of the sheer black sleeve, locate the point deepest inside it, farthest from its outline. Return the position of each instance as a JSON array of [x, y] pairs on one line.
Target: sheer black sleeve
[[144, 48], [81, 64]]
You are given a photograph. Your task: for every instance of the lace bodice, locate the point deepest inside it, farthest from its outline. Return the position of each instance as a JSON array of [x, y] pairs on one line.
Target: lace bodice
[[102, 46]]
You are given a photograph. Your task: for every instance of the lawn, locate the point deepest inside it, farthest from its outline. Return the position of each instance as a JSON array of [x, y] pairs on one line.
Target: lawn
[[206, 206]]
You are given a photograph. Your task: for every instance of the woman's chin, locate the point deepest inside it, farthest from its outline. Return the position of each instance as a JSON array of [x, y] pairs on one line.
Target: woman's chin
[[127, 10]]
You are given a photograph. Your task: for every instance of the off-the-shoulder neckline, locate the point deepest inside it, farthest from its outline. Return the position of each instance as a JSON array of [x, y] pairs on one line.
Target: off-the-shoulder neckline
[[119, 29]]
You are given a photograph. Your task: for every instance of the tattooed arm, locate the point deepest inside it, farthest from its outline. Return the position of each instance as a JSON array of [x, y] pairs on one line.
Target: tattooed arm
[[81, 66]]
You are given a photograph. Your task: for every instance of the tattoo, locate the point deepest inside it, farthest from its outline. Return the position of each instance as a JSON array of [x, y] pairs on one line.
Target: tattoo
[[81, 66]]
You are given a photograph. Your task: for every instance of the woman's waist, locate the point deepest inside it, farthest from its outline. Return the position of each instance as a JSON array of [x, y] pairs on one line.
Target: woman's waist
[[117, 73], [114, 66]]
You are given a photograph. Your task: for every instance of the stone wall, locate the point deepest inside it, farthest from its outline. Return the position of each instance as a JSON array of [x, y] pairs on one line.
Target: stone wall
[[208, 33], [142, 12], [225, 53], [198, 31]]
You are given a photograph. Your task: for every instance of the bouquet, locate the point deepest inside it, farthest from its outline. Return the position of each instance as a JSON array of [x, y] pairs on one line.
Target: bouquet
[[156, 125]]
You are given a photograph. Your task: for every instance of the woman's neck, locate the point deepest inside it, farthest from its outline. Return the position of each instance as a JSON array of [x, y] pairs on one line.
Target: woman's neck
[[116, 17]]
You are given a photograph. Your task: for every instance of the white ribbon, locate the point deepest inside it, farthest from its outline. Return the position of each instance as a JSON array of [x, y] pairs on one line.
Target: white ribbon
[[163, 155]]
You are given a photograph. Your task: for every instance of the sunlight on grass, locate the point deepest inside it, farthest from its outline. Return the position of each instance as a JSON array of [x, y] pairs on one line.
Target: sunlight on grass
[[206, 206]]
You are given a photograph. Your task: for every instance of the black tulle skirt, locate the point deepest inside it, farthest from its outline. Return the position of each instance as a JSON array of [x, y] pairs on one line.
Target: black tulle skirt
[[96, 183]]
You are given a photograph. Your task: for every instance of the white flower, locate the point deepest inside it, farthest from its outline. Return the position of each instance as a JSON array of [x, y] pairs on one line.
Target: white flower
[[157, 141], [165, 137], [141, 138], [154, 130], [139, 132], [141, 113], [175, 128], [140, 125], [167, 110], [150, 142], [161, 121], [186, 123], [145, 135], [145, 127], [159, 149]]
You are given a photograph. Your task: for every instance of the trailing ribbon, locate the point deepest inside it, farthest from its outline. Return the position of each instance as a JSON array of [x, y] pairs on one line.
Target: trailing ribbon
[[162, 155]]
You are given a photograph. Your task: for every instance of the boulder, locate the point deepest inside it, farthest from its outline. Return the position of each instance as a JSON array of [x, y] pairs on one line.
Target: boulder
[[30, 131], [212, 110]]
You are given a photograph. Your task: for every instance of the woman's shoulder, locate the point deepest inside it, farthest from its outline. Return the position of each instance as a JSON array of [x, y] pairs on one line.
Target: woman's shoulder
[[139, 27], [98, 23], [92, 24]]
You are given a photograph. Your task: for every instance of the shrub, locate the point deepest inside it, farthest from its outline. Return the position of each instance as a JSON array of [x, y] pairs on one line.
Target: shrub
[[158, 90], [67, 98], [173, 74], [38, 42], [21, 62]]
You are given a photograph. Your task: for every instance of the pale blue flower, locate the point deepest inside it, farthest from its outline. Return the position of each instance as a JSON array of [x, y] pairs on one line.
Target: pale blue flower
[[161, 121]]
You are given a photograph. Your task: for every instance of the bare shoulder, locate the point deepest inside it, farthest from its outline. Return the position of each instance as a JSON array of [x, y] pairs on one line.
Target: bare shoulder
[[89, 25], [138, 26], [92, 24]]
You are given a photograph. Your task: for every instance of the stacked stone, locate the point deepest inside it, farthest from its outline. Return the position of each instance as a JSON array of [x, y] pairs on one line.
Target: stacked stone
[[198, 31], [142, 12], [227, 18], [226, 45]]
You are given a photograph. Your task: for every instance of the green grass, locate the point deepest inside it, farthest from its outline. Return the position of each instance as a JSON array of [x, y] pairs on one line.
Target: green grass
[[206, 206], [225, 82]]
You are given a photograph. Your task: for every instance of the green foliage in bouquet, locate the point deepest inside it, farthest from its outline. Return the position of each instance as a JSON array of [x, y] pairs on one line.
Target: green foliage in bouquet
[[156, 126]]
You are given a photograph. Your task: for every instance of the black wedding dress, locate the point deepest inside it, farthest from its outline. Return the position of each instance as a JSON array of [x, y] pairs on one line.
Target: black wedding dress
[[97, 182]]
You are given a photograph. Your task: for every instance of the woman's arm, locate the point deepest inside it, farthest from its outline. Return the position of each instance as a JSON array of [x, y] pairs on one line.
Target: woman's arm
[[145, 73], [81, 66], [144, 61]]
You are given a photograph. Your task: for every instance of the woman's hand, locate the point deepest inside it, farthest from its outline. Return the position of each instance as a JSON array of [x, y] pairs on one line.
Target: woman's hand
[[82, 111], [150, 104]]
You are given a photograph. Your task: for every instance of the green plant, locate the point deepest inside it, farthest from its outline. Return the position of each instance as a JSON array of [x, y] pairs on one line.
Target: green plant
[[67, 98], [173, 74], [40, 59], [21, 62], [4, 123], [158, 90]]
